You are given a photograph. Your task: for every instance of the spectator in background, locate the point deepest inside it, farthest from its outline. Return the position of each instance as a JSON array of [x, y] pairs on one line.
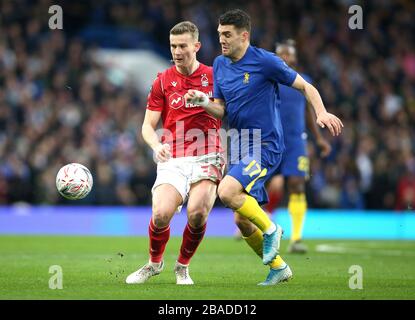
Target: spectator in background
[[405, 196]]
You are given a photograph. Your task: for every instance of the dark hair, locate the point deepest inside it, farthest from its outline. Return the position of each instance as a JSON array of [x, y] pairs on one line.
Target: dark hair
[[237, 18], [186, 27]]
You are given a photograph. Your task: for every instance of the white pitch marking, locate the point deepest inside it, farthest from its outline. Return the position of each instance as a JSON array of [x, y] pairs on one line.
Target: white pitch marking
[[340, 248]]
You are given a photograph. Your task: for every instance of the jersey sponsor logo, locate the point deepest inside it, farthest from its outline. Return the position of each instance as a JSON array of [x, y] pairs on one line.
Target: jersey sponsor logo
[[176, 101], [204, 80], [191, 105], [246, 78]]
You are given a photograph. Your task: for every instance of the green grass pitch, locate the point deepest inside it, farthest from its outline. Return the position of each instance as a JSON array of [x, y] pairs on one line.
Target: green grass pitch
[[223, 268]]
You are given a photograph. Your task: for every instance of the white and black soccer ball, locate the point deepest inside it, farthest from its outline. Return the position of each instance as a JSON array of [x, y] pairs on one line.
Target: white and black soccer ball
[[74, 181]]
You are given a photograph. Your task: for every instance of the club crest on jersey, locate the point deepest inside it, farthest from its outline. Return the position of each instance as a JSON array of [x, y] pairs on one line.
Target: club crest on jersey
[[176, 101], [246, 78], [174, 83], [204, 80]]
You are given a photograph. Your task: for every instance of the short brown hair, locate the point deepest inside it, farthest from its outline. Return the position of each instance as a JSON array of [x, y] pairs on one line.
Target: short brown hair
[[186, 27], [237, 18]]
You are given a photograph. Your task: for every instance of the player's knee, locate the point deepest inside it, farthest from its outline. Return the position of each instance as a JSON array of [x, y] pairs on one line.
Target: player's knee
[[160, 221], [225, 195], [296, 185], [296, 188], [197, 218], [161, 217]]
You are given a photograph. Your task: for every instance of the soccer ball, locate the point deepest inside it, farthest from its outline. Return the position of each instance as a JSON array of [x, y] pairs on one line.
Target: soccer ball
[[74, 181]]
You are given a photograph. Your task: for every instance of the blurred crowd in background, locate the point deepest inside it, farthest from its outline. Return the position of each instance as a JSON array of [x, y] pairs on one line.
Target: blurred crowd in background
[[58, 106]]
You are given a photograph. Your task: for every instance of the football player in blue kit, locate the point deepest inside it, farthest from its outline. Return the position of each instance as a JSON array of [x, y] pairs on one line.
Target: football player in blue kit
[[295, 115], [246, 82]]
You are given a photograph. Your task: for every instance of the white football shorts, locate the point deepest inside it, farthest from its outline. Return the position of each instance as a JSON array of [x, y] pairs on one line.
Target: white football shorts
[[182, 172]]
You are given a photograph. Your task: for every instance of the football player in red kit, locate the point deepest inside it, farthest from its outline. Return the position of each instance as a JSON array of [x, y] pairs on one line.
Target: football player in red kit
[[189, 155]]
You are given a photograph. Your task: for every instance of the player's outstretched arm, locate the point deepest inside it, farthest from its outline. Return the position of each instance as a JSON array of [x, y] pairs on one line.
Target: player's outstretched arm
[[322, 143], [324, 118], [148, 130], [215, 108]]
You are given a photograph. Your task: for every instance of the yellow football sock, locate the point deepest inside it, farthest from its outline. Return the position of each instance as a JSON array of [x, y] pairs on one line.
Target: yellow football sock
[[255, 242], [277, 263], [251, 210], [297, 207]]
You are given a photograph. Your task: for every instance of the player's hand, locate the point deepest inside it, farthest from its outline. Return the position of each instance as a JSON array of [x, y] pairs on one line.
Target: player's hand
[[330, 121], [162, 152], [324, 146], [197, 97]]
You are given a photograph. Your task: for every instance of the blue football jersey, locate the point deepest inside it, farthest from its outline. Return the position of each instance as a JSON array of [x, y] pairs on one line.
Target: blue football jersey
[[293, 108], [250, 90]]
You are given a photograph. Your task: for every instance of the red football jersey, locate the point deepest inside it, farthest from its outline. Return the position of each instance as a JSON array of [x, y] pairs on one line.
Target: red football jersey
[[187, 128]]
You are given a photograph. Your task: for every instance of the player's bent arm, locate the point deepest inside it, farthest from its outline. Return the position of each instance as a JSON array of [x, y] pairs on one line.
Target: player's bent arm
[[324, 119], [310, 92], [148, 130], [215, 108]]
